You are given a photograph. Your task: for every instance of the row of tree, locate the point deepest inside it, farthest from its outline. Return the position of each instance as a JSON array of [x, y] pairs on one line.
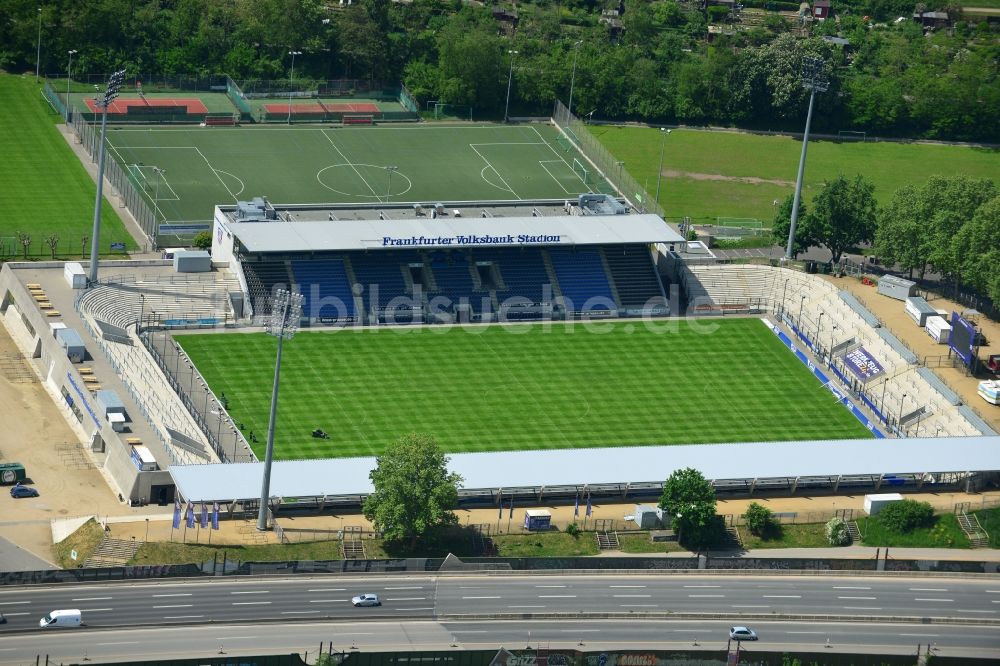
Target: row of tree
[[949, 224], [890, 79]]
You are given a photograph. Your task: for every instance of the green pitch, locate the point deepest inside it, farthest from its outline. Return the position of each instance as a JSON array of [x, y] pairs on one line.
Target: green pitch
[[711, 174], [522, 387], [44, 190], [202, 167]]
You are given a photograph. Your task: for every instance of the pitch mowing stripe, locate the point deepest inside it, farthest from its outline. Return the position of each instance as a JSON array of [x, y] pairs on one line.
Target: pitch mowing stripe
[[493, 390]]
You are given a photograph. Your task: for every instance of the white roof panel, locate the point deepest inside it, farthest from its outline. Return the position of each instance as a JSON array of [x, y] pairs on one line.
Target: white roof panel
[[569, 467], [445, 232]]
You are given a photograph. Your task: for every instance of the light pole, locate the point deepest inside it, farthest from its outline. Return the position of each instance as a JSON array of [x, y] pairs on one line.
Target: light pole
[[663, 135], [832, 332], [291, 77], [38, 55], [813, 80], [510, 77], [798, 322], [784, 290], [819, 327], [103, 102], [572, 80], [899, 419], [69, 77], [388, 187], [286, 310]]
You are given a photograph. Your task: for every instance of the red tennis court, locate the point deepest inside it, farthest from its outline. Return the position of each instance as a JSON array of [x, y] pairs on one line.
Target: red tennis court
[[360, 107], [309, 107], [122, 106]]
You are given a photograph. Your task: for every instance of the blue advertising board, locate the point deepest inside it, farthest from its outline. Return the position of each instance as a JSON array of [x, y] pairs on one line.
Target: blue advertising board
[[863, 365]]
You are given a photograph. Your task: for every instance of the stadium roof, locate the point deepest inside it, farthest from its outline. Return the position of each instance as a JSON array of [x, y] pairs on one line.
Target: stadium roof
[[602, 466], [445, 232]]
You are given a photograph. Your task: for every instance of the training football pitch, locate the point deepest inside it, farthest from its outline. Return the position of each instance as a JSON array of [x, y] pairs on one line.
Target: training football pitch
[[185, 172], [533, 386]]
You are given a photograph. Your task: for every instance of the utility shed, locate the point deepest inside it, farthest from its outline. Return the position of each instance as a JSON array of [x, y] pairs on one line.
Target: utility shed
[[919, 310], [875, 503], [192, 261], [71, 341], [646, 517], [110, 402], [896, 287], [537, 519]]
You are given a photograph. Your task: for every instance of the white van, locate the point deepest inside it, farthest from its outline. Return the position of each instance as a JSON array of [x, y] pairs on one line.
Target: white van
[[61, 618]]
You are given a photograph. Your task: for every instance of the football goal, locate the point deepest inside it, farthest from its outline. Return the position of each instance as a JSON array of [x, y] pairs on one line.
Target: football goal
[[850, 135], [581, 171]]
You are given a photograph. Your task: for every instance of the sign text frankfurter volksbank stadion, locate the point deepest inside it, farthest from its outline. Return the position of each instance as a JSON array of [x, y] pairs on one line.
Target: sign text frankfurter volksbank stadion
[[521, 239]]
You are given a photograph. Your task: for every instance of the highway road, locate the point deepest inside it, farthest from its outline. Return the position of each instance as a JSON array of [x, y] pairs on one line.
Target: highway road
[[428, 609]]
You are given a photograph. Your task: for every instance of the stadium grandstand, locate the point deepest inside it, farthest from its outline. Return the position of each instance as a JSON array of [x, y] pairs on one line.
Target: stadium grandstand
[[450, 262]]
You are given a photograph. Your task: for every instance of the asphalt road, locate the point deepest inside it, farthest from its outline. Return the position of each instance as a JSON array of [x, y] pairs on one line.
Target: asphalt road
[[420, 611]]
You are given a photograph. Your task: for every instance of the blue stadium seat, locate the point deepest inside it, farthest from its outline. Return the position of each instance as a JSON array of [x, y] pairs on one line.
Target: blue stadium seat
[[581, 277], [382, 273], [453, 276], [322, 279], [522, 271], [635, 275]]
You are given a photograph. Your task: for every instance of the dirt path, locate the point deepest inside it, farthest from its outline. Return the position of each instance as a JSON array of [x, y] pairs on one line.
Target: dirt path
[[751, 180]]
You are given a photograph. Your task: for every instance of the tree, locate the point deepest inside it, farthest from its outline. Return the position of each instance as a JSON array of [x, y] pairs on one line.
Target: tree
[[759, 518], [53, 242], [782, 223], [25, 241], [414, 492], [689, 500], [843, 215], [837, 533], [979, 247], [901, 237]]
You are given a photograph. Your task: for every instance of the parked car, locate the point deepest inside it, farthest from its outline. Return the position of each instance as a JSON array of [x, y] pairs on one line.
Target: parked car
[[366, 600], [742, 634], [23, 491]]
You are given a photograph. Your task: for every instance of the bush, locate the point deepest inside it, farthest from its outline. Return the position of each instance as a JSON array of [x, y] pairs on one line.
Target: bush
[[573, 530], [203, 240], [836, 532], [906, 515], [759, 518]]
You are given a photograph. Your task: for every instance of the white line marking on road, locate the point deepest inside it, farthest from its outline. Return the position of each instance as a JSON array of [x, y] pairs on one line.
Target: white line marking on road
[[418, 587], [175, 606], [862, 608], [26, 613], [470, 631], [181, 617], [702, 586], [525, 606], [922, 635], [579, 631], [782, 596], [231, 638], [8, 649], [92, 599], [851, 587], [408, 599], [13, 603], [470, 587], [550, 586], [706, 596], [958, 611], [992, 591], [557, 596], [253, 592], [480, 597], [325, 601], [996, 602], [119, 643], [298, 612], [695, 631], [806, 632], [627, 587], [745, 606], [179, 594], [638, 605], [413, 609], [250, 603], [930, 599], [631, 596], [328, 589], [95, 610], [859, 598], [926, 589]]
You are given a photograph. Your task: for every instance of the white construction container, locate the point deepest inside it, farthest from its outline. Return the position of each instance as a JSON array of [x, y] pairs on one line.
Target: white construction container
[[919, 310], [75, 277], [875, 503], [938, 329]]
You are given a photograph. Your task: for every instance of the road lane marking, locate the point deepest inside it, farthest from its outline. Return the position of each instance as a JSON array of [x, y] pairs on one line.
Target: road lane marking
[[958, 611], [860, 598], [745, 606], [181, 617], [13, 603], [631, 596], [693, 631], [706, 596], [557, 596], [470, 631], [550, 586], [92, 599], [579, 631], [992, 591], [851, 587], [525, 606], [328, 589], [418, 587], [627, 587], [119, 643], [922, 635], [862, 608], [926, 589], [782, 596], [175, 606], [413, 609], [95, 610], [480, 597], [231, 638], [638, 606], [179, 594], [325, 601], [408, 599], [470, 587], [26, 613], [298, 612], [253, 592], [807, 632], [930, 599], [251, 603], [702, 586]]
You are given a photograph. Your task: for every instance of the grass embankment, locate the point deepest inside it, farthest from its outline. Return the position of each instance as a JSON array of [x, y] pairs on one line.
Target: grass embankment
[[990, 520], [810, 535], [944, 533], [640, 544], [84, 541], [44, 189]]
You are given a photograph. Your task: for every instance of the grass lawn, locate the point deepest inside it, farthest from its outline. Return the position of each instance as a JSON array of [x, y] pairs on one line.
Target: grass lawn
[[990, 520], [84, 541], [640, 543], [944, 534], [44, 189], [522, 387], [554, 544], [171, 552], [712, 164], [809, 535]]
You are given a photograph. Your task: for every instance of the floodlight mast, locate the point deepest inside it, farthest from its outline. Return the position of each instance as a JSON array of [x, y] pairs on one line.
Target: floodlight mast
[[286, 310], [103, 102], [814, 80]]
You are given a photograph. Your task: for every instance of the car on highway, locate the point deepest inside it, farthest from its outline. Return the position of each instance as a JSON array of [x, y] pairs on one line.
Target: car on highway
[[23, 491], [742, 634], [366, 600]]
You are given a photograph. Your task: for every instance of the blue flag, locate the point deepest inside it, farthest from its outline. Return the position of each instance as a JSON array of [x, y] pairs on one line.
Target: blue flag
[[177, 513], [511, 507], [576, 506], [589, 510], [500, 502], [204, 515], [215, 516], [190, 515]]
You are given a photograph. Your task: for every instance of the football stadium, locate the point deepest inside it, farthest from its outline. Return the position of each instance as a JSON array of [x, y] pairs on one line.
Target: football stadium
[[507, 289]]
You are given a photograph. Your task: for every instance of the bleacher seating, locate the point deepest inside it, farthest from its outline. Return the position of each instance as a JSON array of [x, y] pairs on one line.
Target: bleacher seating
[[634, 275], [582, 279], [261, 278], [380, 275], [326, 280], [523, 273], [453, 278]]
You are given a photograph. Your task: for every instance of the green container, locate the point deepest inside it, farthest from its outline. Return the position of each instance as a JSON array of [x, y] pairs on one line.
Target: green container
[[11, 473]]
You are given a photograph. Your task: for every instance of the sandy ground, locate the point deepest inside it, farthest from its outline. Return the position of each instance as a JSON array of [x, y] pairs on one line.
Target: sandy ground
[[894, 317]]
